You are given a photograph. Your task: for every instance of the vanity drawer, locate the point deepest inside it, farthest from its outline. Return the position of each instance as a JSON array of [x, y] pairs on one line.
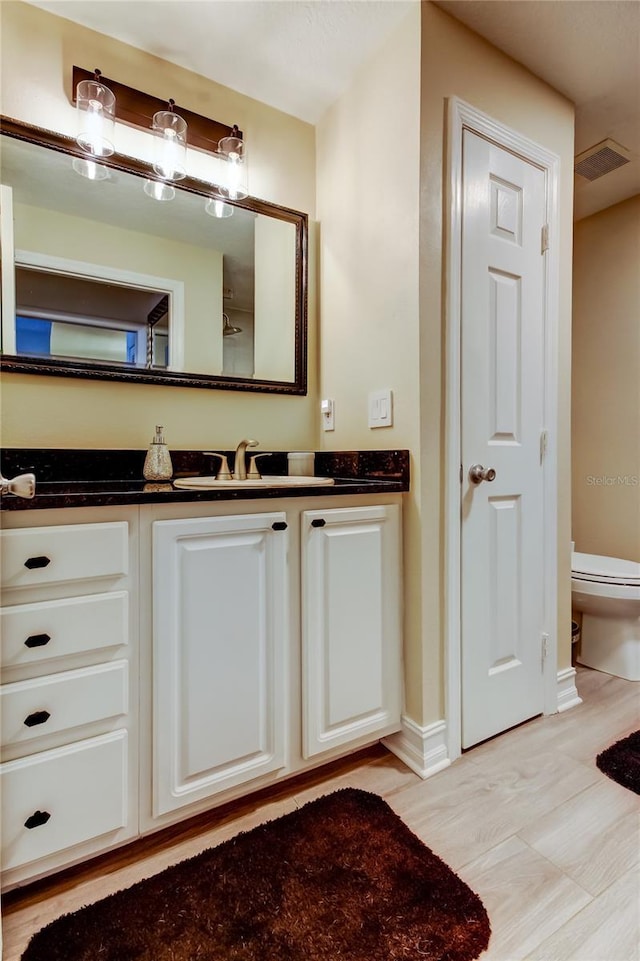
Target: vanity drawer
[[59, 702], [46, 630], [74, 552], [59, 798]]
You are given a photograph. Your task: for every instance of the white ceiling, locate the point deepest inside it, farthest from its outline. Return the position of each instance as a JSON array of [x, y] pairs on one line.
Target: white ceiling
[[296, 55], [299, 55], [589, 50]]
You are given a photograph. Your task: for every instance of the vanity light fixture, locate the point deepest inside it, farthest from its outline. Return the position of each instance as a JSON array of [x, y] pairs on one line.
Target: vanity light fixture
[[100, 102], [217, 208], [170, 155], [96, 113], [233, 149]]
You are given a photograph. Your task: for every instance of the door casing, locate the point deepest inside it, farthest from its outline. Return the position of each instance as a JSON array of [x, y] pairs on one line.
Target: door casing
[[463, 116]]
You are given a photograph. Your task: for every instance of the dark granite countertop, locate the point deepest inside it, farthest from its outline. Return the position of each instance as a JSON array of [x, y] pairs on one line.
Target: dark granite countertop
[[99, 478]]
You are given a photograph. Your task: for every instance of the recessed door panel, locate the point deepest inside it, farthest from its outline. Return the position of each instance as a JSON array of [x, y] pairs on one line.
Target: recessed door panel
[[223, 651], [353, 625], [505, 373], [506, 209], [504, 566]]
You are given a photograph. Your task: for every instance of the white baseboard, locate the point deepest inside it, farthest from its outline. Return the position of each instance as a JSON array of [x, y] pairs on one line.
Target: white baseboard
[[568, 696], [423, 749]]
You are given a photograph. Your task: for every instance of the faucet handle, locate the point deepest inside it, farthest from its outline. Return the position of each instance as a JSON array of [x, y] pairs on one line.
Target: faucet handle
[[223, 472], [24, 485], [253, 473]]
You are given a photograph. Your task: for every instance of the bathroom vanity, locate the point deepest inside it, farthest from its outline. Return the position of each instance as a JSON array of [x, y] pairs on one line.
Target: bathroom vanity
[[165, 651]]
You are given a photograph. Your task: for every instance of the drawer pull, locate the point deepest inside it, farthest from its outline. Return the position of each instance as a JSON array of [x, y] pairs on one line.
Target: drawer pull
[[38, 717], [37, 640], [36, 819], [34, 562], [318, 522], [279, 525]]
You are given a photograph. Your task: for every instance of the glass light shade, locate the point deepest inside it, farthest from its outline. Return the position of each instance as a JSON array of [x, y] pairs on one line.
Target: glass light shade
[[159, 190], [96, 113], [170, 151], [235, 179], [90, 169], [218, 208]]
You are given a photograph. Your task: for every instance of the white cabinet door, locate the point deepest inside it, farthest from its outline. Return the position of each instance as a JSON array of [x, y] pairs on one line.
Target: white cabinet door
[[351, 625], [220, 635]]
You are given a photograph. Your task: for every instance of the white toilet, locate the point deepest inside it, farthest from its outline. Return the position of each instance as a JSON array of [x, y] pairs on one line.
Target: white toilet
[[607, 592]]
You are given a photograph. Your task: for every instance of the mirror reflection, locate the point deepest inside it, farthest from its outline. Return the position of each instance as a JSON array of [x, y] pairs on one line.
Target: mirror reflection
[[66, 315], [109, 276]]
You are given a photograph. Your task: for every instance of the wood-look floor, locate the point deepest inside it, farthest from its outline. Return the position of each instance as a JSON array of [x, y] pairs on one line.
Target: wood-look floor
[[548, 842]]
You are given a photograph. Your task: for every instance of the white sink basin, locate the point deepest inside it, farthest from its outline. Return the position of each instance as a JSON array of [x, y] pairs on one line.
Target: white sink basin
[[211, 484]]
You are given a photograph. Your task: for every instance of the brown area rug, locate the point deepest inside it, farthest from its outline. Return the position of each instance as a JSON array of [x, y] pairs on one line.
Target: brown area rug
[[621, 762], [342, 879]]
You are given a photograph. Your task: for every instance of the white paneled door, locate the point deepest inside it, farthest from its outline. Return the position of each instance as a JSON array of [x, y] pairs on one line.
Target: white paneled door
[[502, 407]]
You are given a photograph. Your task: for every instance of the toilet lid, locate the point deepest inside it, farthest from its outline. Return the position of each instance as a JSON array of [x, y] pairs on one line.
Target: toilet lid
[[608, 570]]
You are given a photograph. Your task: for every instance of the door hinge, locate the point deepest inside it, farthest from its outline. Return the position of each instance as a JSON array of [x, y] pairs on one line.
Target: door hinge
[[544, 648], [544, 238], [461, 474], [543, 444]]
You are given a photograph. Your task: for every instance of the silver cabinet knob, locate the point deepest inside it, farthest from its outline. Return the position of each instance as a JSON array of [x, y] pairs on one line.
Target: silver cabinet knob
[[478, 473], [24, 485]]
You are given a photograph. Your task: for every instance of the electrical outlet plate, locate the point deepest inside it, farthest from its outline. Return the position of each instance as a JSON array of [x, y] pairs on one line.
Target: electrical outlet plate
[[381, 408], [327, 408]]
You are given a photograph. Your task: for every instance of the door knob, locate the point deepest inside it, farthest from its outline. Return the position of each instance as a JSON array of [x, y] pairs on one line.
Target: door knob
[[478, 473]]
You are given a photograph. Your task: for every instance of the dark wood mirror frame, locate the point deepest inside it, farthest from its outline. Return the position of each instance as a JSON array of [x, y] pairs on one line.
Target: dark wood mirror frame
[[62, 367]]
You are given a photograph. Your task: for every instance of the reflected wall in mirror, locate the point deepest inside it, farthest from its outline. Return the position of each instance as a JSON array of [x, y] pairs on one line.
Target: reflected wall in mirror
[[101, 280], [62, 310]]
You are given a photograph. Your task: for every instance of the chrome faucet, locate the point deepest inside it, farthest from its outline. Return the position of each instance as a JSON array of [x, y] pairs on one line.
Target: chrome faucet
[[239, 464]]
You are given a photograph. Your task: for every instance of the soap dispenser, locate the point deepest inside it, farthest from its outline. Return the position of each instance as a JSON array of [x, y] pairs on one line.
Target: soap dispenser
[[157, 463]]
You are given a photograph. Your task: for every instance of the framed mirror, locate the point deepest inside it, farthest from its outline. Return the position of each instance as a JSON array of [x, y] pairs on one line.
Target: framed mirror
[[102, 280]]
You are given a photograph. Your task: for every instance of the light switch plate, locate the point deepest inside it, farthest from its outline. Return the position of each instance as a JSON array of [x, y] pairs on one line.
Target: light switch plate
[[381, 408]]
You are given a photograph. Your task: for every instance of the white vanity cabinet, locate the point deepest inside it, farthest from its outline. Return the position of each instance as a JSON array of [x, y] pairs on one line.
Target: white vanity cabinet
[[351, 627], [220, 637], [69, 660], [274, 643], [168, 658]]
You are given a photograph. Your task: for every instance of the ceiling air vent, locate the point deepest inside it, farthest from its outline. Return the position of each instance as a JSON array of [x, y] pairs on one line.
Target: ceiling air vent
[[601, 159]]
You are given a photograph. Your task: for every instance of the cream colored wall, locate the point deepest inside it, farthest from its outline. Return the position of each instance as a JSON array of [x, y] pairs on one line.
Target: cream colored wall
[[94, 342], [368, 151], [606, 382], [37, 53], [274, 348], [382, 241], [59, 235]]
